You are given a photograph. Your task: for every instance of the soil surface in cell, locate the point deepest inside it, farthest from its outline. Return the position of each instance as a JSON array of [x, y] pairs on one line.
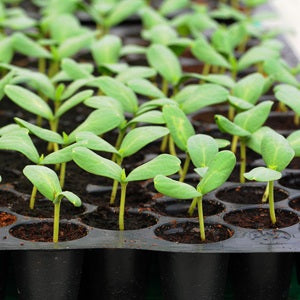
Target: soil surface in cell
[[295, 164], [106, 218], [188, 233], [43, 232], [291, 181], [44, 208], [259, 218], [179, 208], [281, 122], [6, 219], [295, 204], [7, 198], [248, 194]]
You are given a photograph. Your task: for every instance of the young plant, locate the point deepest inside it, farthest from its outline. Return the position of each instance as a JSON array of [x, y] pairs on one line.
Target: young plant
[[91, 162], [277, 153], [47, 183], [219, 169], [243, 126]]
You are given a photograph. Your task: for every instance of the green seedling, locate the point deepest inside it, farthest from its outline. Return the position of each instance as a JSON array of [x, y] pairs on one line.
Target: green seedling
[[89, 161], [47, 183], [277, 153], [289, 95], [243, 126], [219, 169]]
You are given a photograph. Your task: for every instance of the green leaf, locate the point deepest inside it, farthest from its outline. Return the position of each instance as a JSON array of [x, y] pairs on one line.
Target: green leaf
[[117, 90], [179, 125], [204, 52], [256, 55], [160, 34], [95, 142], [201, 171], [132, 49], [244, 88], [239, 103], [73, 101], [74, 199], [219, 79], [175, 189], [151, 17], [202, 148], [276, 151], [227, 126], [74, 87], [219, 169], [149, 105], [254, 141], [289, 95], [163, 164], [6, 50], [171, 6], [252, 119], [63, 155], [205, 95], [98, 122], [28, 47], [19, 140], [106, 50], [152, 117], [294, 140], [42, 133], [138, 138], [145, 87], [262, 174], [165, 62], [29, 101], [185, 93], [44, 179], [279, 72], [4, 81], [74, 44], [7, 128], [222, 143], [95, 164], [137, 72], [74, 70], [105, 102], [121, 11]]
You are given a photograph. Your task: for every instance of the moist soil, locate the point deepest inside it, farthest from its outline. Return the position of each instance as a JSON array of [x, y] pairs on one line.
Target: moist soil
[[248, 194], [281, 121], [208, 115], [259, 218], [295, 204], [8, 198], [188, 233], [43, 232], [6, 219], [291, 181], [179, 208], [106, 218], [295, 164], [44, 208]]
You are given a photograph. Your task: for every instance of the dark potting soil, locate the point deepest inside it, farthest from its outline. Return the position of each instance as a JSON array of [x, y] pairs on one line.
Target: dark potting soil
[[44, 208], [281, 121], [6, 219], [291, 181], [248, 194], [7, 198], [179, 208], [295, 164], [43, 232], [106, 218], [208, 115], [188, 233], [259, 218], [295, 204]]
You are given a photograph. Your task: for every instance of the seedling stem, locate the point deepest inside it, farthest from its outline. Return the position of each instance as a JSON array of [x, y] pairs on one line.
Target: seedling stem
[[201, 218], [56, 221], [122, 205], [271, 202], [32, 197]]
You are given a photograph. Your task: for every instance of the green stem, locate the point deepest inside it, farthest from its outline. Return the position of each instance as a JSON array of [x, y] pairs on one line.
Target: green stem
[[114, 192], [234, 142], [118, 143], [296, 119], [201, 218], [172, 146], [231, 112], [192, 207], [32, 197], [185, 168], [54, 67], [206, 69], [62, 174], [164, 144], [282, 107], [266, 194], [234, 3], [243, 161], [165, 87], [271, 202], [122, 205], [42, 65], [56, 222]]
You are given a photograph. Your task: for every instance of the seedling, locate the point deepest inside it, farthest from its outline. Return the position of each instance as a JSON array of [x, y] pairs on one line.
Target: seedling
[[277, 153], [219, 169], [91, 162], [47, 183], [243, 126]]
